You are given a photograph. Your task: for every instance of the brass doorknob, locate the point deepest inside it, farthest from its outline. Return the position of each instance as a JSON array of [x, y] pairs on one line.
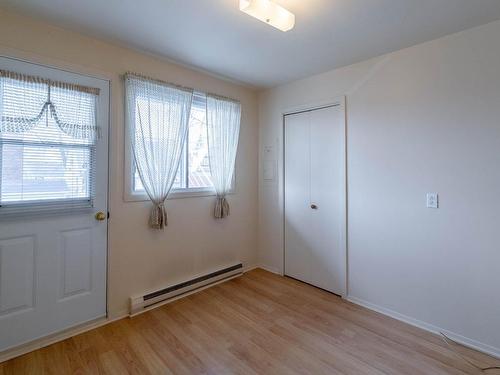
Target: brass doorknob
[[100, 216]]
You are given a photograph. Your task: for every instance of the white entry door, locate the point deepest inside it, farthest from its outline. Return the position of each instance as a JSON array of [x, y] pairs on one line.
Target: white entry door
[[53, 182], [315, 198]]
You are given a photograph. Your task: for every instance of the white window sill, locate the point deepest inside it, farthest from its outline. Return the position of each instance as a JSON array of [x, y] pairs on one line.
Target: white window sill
[[175, 194]]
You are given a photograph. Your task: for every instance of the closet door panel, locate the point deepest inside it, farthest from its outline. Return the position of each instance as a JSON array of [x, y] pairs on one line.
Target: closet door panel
[[327, 192], [297, 192]]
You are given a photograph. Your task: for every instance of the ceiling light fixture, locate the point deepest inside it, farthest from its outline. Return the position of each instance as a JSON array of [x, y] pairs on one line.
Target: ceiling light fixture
[[269, 12]]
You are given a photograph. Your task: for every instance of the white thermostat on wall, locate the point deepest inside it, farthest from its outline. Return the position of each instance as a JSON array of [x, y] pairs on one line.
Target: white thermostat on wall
[[432, 200], [269, 170]]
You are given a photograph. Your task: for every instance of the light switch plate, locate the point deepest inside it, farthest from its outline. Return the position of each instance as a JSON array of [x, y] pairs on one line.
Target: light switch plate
[[432, 200], [268, 152]]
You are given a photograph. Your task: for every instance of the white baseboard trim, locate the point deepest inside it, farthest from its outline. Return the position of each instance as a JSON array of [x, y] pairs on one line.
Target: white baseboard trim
[[60, 336], [270, 269], [250, 268], [473, 344]]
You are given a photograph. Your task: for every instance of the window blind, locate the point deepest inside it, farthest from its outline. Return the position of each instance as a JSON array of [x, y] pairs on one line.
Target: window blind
[[48, 132]]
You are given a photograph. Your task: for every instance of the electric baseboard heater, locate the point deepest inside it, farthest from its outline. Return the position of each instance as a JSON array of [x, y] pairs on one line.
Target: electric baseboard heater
[[141, 303]]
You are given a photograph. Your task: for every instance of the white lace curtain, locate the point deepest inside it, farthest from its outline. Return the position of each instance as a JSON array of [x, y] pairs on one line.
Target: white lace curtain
[[27, 100], [223, 125], [158, 118]]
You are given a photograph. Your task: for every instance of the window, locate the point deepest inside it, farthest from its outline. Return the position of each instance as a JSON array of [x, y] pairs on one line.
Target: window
[[47, 142], [193, 175], [194, 169]]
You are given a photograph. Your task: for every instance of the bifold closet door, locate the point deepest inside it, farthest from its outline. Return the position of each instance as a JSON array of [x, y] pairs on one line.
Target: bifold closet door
[[315, 198]]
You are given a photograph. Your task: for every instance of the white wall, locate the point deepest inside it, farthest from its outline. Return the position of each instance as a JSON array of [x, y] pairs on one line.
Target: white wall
[[141, 258], [423, 119]]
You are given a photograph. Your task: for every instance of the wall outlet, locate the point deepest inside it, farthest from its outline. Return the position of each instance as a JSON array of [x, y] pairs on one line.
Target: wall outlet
[[432, 200]]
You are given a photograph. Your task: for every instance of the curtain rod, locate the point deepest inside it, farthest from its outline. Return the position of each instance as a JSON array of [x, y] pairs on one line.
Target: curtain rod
[[162, 82], [159, 81], [36, 79], [216, 96]]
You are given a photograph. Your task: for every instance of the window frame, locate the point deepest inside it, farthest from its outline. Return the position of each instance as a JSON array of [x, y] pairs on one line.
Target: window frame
[[130, 195]]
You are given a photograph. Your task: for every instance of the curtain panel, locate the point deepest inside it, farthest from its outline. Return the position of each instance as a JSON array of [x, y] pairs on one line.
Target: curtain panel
[[157, 115], [223, 127], [27, 100]]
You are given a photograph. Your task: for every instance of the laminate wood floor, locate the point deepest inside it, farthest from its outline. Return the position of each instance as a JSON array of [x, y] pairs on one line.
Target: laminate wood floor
[[260, 323]]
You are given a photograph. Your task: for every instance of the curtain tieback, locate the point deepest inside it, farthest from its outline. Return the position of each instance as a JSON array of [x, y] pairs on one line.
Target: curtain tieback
[[221, 207], [158, 217]]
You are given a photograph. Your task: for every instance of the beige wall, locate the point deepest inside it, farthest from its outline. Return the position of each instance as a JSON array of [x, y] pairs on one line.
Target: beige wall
[[140, 258], [423, 119]]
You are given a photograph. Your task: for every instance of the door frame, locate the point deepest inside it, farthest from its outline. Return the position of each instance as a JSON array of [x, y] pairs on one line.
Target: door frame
[[77, 70], [341, 103]]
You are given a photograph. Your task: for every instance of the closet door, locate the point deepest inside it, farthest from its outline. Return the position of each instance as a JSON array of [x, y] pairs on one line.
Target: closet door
[[315, 198]]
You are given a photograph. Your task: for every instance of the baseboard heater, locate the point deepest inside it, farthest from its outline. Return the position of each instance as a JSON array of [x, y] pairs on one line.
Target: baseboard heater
[[141, 303]]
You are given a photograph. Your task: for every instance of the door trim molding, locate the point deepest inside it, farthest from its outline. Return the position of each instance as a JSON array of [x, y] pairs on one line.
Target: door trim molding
[[341, 103]]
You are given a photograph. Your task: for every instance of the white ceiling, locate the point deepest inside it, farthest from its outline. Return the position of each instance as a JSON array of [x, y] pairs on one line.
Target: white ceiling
[[215, 36]]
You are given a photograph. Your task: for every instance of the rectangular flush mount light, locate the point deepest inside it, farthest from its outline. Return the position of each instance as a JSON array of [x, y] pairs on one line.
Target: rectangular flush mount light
[[269, 12]]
